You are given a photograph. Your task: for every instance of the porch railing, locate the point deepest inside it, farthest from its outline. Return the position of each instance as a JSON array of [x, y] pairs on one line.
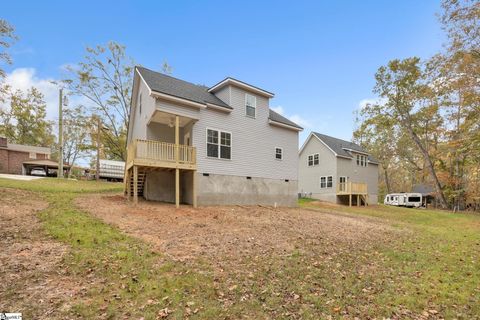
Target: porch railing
[[352, 188], [156, 151]]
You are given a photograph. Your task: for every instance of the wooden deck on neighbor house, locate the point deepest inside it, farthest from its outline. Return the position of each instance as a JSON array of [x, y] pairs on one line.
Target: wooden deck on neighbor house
[[353, 189], [149, 155]]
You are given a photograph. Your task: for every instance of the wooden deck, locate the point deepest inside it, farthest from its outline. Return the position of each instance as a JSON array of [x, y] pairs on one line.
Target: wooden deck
[[353, 189], [149, 153]]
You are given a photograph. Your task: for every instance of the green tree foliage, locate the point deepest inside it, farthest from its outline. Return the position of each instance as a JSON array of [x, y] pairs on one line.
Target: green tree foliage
[[24, 122], [7, 37], [105, 78], [77, 127], [433, 110]]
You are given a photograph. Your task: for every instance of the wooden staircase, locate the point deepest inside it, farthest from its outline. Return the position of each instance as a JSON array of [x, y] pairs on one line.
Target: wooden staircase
[[140, 183]]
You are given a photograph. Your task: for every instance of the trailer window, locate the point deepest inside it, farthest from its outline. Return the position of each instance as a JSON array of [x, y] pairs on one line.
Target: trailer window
[[413, 199]]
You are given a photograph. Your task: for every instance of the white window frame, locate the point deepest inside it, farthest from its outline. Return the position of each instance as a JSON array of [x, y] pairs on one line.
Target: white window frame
[[32, 155], [312, 156], [326, 178], [254, 107], [323, 184], [281, 153], [219, 144]]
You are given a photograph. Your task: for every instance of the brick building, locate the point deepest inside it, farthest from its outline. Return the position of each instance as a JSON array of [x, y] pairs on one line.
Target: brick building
[[13, 156]]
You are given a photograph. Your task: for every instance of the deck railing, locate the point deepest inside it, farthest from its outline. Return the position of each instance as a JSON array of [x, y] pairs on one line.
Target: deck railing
[[352, 188], [156, 151]]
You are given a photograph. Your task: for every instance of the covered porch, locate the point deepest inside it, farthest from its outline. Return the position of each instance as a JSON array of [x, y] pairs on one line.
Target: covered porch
[[166, 158]]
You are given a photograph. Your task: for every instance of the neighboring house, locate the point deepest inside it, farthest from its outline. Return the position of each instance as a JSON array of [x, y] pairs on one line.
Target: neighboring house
[[337, 171], [18, 159], [220, 145]]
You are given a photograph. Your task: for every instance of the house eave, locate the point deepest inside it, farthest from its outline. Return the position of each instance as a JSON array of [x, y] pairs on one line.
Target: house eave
[[171, 98], [219, 108], [240, 84], [283, 125]]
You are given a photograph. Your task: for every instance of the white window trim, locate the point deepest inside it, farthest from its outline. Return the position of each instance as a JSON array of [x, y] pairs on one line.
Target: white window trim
[[323, 177], [32, 155], [255, 107], [326, 182], [281, 153], [313, 159], [219, 144]]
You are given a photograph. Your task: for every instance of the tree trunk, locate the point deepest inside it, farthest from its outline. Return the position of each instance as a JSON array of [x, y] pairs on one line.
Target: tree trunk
[[431, 168], [387, 180]]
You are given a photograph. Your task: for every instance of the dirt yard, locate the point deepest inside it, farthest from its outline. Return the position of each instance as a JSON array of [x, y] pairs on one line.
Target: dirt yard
[[216, 233], [31, 273]]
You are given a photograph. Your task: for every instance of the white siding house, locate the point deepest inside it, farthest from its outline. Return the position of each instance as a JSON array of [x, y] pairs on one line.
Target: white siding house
[[337, 171], [232, 148]]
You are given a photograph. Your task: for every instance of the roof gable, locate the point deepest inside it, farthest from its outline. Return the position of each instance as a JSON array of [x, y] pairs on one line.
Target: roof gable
[[274, 116], [231, 81], [339, 147]]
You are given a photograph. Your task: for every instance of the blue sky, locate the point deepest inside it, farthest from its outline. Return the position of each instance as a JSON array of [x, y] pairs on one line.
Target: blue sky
[[318, 57]]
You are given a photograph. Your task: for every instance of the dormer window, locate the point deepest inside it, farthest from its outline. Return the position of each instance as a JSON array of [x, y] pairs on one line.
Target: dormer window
[[362, 160], [250, 106]]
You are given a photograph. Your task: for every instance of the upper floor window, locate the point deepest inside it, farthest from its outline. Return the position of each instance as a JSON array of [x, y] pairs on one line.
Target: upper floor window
[[250, 105], [278, 153], [313, 159], [362, 160], [32, 155], [219, 144]]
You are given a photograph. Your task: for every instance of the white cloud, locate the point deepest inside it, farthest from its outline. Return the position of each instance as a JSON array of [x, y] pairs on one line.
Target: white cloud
[[364, 102], [278, 110], [25, 78], [295, 117]]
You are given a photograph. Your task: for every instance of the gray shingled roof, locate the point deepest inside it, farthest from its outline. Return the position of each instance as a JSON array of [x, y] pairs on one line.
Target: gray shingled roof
[[178, 88], [338, 146], [279, 118]]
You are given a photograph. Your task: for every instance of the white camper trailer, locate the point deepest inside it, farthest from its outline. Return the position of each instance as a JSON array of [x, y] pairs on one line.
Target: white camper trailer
[[411, 200], [111, 170]]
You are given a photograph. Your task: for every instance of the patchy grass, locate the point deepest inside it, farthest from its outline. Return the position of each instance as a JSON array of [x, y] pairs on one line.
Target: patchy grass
[[437, 268], [429, 269]]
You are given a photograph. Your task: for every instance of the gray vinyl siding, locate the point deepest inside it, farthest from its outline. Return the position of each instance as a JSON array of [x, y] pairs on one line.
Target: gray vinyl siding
[[309, 177], [368, 175], [253, 140], [139, 129], [331, 165]]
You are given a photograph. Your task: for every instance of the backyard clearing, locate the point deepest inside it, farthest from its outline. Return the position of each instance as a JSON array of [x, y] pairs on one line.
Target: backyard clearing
[[78, 250], [235, 231]]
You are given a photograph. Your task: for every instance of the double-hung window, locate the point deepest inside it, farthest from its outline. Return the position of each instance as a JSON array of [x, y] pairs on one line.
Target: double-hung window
[[313, 159], [326, 182], [278, 153], [250, 105], [219, 144], [323, 182], [329, 181]]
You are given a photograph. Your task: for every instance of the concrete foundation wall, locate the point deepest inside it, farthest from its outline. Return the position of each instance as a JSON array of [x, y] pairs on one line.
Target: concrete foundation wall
[[328, 197], [231, 190], [160, 186]]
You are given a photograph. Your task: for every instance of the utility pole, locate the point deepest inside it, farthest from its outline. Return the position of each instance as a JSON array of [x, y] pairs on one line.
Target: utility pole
[[60, 134], [99, 126]]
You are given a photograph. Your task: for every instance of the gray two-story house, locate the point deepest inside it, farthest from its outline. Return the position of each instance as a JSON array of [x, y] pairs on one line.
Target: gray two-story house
[[192, 144], [337, 171]]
